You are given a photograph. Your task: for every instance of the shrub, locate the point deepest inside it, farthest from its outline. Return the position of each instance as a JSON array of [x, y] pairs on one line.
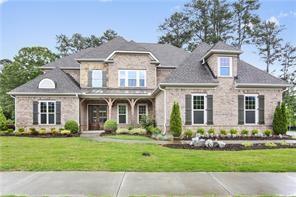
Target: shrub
[[72, 125], [66, 132], [10, 124], [267, 132], [284, 143], [255, 132], [110, 126], [54, 131], [223, 132], [9, 131], [233, 131], [166, 137], [247, 144], [17, 133], [21, 130], [244, 132], [42, 131], [200, 131], [33, 131], [211, 131], [60, 129], [155, 131], [175, 120], [149, 129], [280, 122], [3, 122], [139, 131], [270, 144], [188, 133], [130, 127], [122, 131], [146, 121]]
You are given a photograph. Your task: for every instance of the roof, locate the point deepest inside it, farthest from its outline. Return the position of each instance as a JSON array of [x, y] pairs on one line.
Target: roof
[[64, 84], [223, 46], [167, 55], [192, 70], [248, 74]]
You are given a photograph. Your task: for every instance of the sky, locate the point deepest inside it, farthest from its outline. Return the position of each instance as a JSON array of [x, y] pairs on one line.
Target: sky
[[36, 23]]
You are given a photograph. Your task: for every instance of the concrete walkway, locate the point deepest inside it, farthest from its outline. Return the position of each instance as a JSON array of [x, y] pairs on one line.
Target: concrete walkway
[[141, 183]]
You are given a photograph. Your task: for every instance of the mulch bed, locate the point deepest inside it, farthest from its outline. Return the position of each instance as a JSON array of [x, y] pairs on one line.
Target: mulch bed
[[229, 147], [275, 137], [45, 135]]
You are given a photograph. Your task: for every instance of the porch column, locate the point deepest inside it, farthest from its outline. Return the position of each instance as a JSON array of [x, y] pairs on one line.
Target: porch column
[[110, 102], [132, 102], [153, 108]]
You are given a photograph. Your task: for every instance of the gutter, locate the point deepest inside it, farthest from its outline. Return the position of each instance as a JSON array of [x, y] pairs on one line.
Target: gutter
[[189, 84], [164, 108], [262, 85]]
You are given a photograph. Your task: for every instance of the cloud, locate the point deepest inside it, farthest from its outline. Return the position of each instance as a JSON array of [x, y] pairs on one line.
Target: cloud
[[287, 14], [273, 19], [3, 1]]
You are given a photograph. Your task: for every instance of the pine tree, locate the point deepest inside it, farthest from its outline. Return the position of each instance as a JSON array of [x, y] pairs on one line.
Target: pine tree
[[267, 41], [175, 120], [280, 121], [284, 118]]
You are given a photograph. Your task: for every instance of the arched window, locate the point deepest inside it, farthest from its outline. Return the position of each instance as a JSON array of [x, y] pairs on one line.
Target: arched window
[[46, 84]]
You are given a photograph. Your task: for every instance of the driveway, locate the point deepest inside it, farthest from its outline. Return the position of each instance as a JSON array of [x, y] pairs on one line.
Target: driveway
[[145, 183]]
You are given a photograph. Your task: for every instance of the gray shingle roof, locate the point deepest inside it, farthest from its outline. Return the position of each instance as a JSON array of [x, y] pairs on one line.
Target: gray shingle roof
[[167, 55], [252, 75], [64, 84], [223, 46], [191, 70]]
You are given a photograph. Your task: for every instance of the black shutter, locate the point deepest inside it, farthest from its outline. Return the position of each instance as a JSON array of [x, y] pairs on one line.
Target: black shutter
[[90, 78], [188, 109], [210, 109], [58, 112], [261, 109], [241, 109], [35, 112], [104, 78]]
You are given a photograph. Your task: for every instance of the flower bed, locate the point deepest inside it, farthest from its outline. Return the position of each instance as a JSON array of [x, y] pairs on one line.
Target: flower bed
[[241, 137], [231, 147]]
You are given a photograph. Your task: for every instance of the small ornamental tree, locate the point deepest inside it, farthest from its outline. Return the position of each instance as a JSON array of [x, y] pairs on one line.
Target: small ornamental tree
[[3, 123], [175, 120], [279, 123]]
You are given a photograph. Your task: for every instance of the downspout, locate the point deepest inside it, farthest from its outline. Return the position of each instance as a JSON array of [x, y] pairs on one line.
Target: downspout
[[164, 109], [14, 110]]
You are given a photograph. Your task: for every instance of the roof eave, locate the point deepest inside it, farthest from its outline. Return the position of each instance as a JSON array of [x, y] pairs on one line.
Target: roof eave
[[189, 84], [261, 85], [221, 51], [42, 93]]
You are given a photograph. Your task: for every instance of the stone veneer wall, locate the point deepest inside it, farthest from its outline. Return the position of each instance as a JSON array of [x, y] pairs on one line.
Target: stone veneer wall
[[85, 67], [24, 110], [163, 73], [225, 104], [213, 63]]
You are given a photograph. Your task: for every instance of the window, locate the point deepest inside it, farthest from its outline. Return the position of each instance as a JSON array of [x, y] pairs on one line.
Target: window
[[225, 66], [46, 84], [142, 111], [97, 78], [251, 109], [132, 78], [47, 112], [198, 109], [122, 113]]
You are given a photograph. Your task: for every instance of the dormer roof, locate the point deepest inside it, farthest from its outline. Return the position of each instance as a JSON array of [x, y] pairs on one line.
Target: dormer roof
[[221, 47]]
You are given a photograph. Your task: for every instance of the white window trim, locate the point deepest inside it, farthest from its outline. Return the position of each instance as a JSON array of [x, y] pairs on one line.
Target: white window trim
[[47, 113], [137, 78], [126, 117], [205, 109], [141, 104], [230, 66], [92, 84], [46, 84], [256, 109]]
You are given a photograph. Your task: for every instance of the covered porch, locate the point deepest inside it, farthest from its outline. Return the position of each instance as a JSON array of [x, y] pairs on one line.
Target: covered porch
[[126, 111]]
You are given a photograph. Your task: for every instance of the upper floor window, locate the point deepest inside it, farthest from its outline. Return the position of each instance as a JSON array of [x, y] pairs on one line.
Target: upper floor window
[[225, 66], [97, 78], [132, 78]]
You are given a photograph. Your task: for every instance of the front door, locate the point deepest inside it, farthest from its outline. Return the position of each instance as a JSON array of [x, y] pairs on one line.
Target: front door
[[97, 115]]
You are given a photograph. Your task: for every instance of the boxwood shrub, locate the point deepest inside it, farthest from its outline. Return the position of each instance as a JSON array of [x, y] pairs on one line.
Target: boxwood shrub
[[72, 125], [110, 126]]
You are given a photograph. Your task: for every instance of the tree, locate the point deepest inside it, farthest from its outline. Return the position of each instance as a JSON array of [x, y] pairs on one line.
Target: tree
[[175, 120], [280, 122], [176, 31], [25, 66], [77, 42], [244, 19], [288, 63], [267, 41], [3, 123]]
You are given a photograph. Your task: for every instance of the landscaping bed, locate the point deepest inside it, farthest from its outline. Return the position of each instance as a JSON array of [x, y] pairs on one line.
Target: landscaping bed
[[240, 137], [58, 135], [128, 137], [231, 147]]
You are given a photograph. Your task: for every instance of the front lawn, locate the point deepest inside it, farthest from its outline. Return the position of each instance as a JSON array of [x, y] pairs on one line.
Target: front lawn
[[128, 137], [19, 153]]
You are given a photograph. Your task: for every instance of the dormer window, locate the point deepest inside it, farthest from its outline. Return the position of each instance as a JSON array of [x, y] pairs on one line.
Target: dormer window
[[225, 66], [46, 84]]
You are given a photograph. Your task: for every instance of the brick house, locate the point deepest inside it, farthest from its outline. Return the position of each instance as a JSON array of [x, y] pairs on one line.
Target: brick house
[[124, 80]]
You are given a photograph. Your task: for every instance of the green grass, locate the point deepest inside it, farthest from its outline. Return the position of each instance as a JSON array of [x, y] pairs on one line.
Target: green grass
[[35, 154], [128, 137]]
